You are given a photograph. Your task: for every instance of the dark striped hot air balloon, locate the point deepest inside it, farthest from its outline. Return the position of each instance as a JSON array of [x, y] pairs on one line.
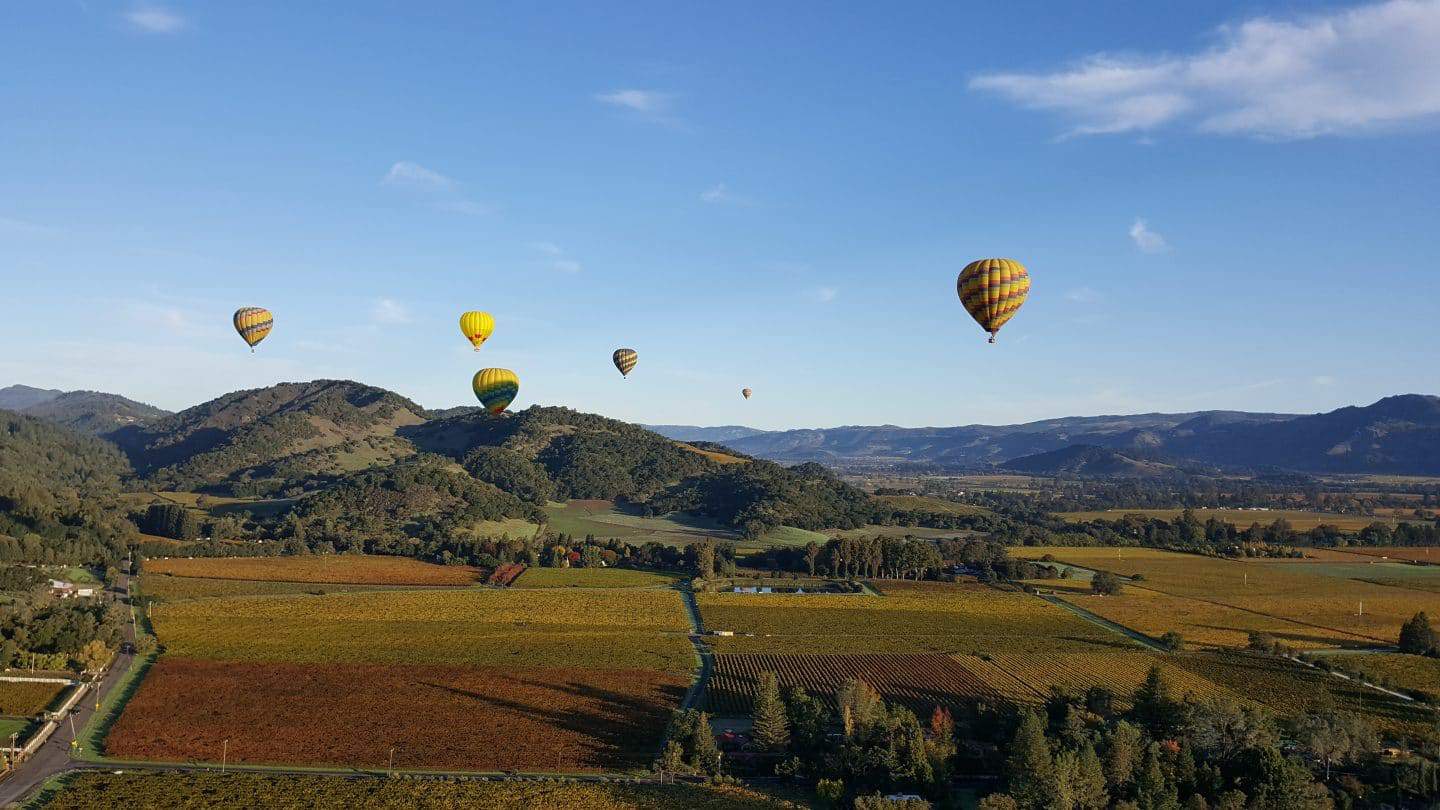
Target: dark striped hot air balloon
[[625, 360], [746, 392], [253, 324], [992, 291]]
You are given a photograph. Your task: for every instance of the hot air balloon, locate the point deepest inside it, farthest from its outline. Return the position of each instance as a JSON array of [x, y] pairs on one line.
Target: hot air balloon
[[992, 291], [495, 388], [625, 360], [745, 392], [253, 324], [477, 327]]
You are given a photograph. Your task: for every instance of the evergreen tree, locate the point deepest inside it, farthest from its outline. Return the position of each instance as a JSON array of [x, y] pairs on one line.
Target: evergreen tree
[[706, 754], [1122, 754], [1089, 784], [1417, 637], [1153, 790], [1030, 769], [771, 730]]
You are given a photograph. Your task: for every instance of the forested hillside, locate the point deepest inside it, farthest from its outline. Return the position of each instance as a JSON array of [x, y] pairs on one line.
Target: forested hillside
[[267, 439], [57, 494], [762, 495]]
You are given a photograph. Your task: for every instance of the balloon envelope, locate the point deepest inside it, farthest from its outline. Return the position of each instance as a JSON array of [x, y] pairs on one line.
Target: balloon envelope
[[625, 360], [253, 324], [992, 291], [745, 392], [495, 388], [477, 327]]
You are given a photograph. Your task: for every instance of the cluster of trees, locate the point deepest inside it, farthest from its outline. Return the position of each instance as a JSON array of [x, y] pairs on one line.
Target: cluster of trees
[[58, 494], [392, 510], [864, 746], [1417, 637], [900, 558], [58, 634], [761, 496]]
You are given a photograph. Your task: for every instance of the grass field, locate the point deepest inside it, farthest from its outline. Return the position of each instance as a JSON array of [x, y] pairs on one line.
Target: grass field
[[603, 519], [715, 456], [1242, 518], [13, 725], [634, 629], [94, 790], [1405, 671], [957, 619], [1412, 553], [1289, 688], [340, 569], [166, 588], [454, 718], [27, 698], [1120, 671], [936, 505], [593, 578], [512, 527], [1325, 610]]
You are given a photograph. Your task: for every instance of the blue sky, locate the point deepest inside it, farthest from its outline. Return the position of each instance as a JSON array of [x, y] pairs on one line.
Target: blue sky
[[1222, 205]]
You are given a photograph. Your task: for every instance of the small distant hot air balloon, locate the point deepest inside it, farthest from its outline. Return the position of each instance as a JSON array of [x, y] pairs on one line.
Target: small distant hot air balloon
[[477, 326], [746, 392], [992, 291], [625, 360], [253, 324], [495, 388]]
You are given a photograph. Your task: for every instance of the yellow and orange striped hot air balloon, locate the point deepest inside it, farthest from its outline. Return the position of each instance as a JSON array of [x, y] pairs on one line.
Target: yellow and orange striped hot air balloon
[[253, 324], [992, 291], [495, 388], [477, 327], [625, 360]]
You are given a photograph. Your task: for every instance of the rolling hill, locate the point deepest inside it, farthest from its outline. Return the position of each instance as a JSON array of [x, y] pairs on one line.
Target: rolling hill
[[1087, 460], [86, 411], [284, 432]]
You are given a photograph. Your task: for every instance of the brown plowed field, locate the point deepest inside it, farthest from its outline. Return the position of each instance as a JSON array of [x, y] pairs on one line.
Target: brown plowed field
[[458, 718], [920, 682]]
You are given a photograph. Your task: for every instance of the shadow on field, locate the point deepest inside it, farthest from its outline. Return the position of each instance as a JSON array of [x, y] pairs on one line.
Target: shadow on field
[[630, 727]]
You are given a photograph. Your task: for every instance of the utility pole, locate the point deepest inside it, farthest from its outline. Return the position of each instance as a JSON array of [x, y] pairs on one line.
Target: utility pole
[[224, 755], [392, 761]]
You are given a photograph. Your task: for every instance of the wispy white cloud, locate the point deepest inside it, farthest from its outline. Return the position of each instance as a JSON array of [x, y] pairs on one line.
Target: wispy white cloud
[[407, 173], [1084, 295], [556, 258], [720, 194], [823, 295], [642, 101], [152, 19], [647, 104], [388, 311], [20, 226], [1145, 239], [443, 191], [1323, 379], [1369, 68]]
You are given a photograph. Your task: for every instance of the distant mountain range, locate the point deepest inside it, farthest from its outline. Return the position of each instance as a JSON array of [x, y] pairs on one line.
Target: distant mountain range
[[725, 434], [1397, 435], [333, 425], [86, 411]]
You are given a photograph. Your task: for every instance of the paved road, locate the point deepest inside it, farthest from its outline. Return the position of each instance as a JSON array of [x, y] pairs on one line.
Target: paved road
[[697, 638], [1134, 635], [54, 756]]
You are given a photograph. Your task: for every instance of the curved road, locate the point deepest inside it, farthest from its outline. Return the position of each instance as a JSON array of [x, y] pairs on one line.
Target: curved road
[[54, 756]]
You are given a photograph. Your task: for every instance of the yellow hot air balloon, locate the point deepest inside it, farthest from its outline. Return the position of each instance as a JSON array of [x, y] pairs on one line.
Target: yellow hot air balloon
[[253, 324], [477, 327], [746, 392], [992, 291], [625, 360], [495, 388]]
